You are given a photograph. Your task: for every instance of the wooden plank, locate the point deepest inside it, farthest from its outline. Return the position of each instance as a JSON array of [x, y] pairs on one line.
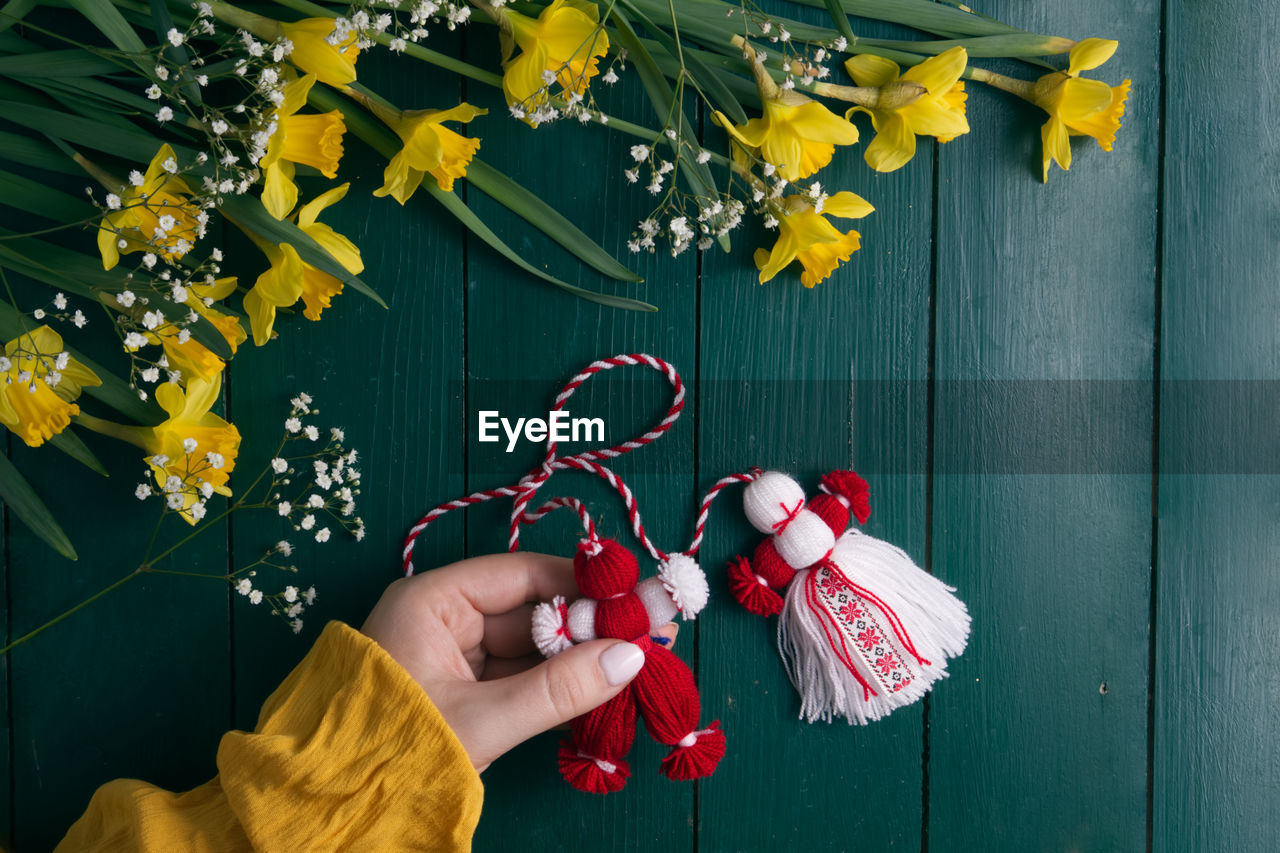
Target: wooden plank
[[524, 341], [6, 780], [1217, 688], [809, 381], [389, 377], [94, 695], [1050, 549]]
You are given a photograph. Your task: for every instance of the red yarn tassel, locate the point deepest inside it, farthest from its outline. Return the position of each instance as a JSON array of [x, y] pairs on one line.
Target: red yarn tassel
[[593, 758], [668, 701], [751, 591], [852, 488]]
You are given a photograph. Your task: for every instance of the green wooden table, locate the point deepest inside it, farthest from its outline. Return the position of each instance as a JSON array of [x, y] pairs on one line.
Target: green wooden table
[[1064, 398]]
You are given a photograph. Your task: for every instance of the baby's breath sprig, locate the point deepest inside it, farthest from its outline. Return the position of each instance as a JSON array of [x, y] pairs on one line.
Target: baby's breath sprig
[[404, 22]]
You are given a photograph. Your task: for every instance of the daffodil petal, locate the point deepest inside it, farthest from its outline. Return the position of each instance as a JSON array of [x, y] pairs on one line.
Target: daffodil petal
[[279, 192], [868, 70], [939, 120], [1083, 99], [1057, 145], [893, 147], [1090, 53], [847, 205], [312, 209], [262, 317], [939, 73]]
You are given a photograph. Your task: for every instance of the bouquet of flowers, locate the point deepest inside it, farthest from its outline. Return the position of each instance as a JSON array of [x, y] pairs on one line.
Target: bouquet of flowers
[[188, 119]]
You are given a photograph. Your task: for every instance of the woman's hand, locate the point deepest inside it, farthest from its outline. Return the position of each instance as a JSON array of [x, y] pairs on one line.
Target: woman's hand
[[463, 632]]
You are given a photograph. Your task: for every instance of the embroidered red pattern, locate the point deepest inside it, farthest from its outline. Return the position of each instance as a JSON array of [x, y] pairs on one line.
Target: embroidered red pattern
[[881, 652]]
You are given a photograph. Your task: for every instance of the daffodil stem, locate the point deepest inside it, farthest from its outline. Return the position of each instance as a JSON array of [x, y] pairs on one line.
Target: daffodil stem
[[263, 28], [109, 182], [1022, 88], [55, 620], [131, 434]]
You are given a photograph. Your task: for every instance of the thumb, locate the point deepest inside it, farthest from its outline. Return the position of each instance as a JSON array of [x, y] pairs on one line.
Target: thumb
[[568, 685]]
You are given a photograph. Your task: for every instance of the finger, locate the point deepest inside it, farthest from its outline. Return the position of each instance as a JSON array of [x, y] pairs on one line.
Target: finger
[[510, 635], [513, 709], [667, 632], [495, 668], [497, 583]]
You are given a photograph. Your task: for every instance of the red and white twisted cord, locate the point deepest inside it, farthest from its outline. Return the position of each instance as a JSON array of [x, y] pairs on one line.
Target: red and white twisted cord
[[712, 493], [528, 486]]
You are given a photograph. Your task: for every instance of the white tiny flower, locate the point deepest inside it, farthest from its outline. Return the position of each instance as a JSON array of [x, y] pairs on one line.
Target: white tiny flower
[[358, 533], [38, 313], [279, 465], [136, 178], [171, 166], [640, 153], [322, 535], [293, 425], [293, 610], [284, 547], [255, 597], [610, 77], [206, 490], [284, 508], [290, 593], [315, 501], [61, 362], [59, 301], [79, 319], [113, 201], [150, 374], [309, 596], [198, 510], [164, 114], [159, 460], [840, 44], [189, 445], [174, 500], [296, 625], [162, 72], [125, 298], [142, 492], [133, 340], [308, 522], [337, 434], [312, 433], [245, 586], [149, 260], [174, 37], [704, 156], [215, 460]]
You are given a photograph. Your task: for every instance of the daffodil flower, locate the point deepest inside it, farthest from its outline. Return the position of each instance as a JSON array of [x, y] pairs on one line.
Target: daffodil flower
[[1078, 106], [796, 134], [291, 278], [216, 443], [334, 64], [185, 354], [564, 43], [313, 140], [41, 383], [805, 235], [154, 215], [939, 112], [429, 148]]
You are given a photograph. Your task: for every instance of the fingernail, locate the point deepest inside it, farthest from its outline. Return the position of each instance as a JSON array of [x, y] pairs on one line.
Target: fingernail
[[621, 662]]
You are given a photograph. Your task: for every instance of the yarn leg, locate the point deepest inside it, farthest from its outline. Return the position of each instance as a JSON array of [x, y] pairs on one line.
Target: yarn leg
[[667, 699], [593, 757]]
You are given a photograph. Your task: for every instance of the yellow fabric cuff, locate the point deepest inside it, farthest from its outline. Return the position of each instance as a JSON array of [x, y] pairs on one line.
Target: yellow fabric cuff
[[351, 754]]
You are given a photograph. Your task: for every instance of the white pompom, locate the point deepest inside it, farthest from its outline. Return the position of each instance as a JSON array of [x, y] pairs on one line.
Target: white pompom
[[550, 634], [683, 578], [657, 602], [582, 620], [770, 499], [804, 541]]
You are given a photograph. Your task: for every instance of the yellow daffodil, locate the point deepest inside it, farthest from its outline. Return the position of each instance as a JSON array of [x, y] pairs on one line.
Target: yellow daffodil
[[151, 214], [334, 64], [184, 353], [291, 278], [216, 443], [429, 148], [313, 140], [1078, 106], [41, 383], [804, 234], [796, 134], [564, 43], [900, 115]]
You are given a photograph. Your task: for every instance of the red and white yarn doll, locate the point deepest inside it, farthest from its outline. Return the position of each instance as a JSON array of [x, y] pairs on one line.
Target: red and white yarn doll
[[862, 629], [617, 604]]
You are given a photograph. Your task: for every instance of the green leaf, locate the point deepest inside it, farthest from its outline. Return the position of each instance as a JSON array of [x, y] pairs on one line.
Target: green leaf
[[17, 493], [32, 152], [111, 24], [247, 212], [14, 11], [163, 22], [703, 77], [132, 145], [69, 443], [56, 63], [546, 218], [841, 20], [42, 200]]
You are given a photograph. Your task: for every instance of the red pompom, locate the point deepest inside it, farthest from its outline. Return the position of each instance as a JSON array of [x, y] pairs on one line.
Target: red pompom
[[852, 488], [622, 618], [611, 571], [755, 596], [832, 511], [699, 758], [768, 564], [589, 775]]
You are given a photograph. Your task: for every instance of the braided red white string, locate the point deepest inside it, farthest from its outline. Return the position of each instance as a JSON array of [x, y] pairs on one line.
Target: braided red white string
[[528, 486]]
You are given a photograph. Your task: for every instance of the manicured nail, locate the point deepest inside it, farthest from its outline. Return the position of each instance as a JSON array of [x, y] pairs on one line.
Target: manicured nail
[[621, 662]]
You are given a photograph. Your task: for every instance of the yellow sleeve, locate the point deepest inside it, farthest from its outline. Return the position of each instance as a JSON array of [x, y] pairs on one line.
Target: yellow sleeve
[[348, 754]]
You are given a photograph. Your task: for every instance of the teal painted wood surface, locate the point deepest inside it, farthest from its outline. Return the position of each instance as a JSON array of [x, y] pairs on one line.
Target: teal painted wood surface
[[986, 360]]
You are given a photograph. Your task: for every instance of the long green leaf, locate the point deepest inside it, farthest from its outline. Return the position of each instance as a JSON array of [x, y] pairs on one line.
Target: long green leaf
[[42, 200], [111, 23], [247, 212], [163, 22], [129, 145], [17, 493], [545, 218], [69, 443], [56, 63], [702, 76], [32, 152], [14, 11], [841, 20]]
